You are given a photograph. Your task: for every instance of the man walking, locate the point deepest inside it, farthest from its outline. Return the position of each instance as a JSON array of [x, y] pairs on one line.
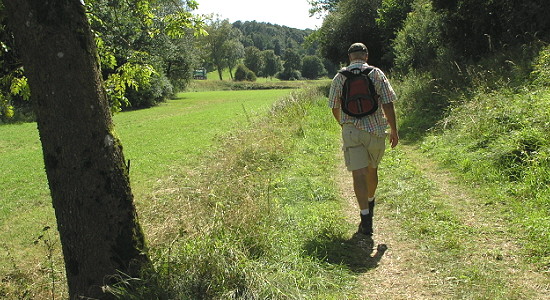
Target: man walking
[[364, 138]]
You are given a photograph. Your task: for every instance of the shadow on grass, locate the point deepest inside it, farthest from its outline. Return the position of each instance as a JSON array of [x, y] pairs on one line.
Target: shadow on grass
[[357, 253], [416, 125]]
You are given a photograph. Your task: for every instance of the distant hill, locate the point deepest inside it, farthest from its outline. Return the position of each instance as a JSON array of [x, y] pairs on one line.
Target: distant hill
[[267, 36]]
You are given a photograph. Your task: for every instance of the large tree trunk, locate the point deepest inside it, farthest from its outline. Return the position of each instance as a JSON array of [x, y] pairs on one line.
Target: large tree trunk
[[88, 178]]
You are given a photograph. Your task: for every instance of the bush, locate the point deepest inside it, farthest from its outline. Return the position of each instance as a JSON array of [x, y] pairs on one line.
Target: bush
[[244, 74], [419, 42], [289, 75], [158, 89], [421, 104], [312, 67]]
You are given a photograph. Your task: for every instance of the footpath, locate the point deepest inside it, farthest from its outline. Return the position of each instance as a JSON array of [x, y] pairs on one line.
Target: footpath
[[434, 239]]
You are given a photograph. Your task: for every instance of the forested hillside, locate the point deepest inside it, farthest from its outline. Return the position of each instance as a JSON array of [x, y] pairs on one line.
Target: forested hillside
[[256, 49], [266, 36]]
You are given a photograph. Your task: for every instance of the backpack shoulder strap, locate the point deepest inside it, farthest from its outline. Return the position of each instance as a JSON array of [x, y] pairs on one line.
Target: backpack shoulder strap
[[371, 83], [347, 73], [367, 70]]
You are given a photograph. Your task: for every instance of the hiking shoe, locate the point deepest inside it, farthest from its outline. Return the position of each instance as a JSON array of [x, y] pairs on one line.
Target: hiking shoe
[[364, 229]]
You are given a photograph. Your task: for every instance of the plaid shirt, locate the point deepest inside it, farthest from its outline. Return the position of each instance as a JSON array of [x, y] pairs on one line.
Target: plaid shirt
[[375, 123]]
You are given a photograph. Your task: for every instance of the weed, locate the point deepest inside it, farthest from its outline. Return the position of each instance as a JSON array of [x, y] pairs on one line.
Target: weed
[[50, 244]]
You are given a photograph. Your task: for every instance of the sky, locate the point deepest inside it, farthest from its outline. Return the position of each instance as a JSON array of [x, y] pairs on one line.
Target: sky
[[291, 13]]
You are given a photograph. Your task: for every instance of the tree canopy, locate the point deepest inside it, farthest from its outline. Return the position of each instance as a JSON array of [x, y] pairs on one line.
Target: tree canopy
[[351, 21], [144, 49], [415, 32]]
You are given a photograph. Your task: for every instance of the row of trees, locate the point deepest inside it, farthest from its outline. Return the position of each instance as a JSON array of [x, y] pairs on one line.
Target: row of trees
[[146, 57], [410, 34], [265, 49]]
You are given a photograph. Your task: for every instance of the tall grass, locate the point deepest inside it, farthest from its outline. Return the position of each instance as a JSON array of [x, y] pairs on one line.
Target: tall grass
[[501, 141], [495, 134], [159, 142], [246, 218]]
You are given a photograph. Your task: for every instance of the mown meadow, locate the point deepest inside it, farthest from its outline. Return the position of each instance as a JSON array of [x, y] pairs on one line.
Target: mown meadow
[[229, 187]]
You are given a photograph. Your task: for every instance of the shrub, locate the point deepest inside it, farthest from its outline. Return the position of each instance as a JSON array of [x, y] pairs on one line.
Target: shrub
[[157, 90], [419, 42], [244, 74], [312, 67], [420, 106], [289, 75]]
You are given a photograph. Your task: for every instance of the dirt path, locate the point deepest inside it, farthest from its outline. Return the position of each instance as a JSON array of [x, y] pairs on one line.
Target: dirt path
[[399, 271], [398, 268]]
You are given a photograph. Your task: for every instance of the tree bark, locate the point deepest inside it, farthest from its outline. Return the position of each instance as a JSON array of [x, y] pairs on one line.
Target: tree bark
[[85, 166]]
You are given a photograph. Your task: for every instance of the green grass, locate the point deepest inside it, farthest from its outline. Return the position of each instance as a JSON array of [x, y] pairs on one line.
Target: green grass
[[491, 127], [454, 236], [178, 132], [501, 140], [231, 196], [238, 200], [251, 217], [157, 140]]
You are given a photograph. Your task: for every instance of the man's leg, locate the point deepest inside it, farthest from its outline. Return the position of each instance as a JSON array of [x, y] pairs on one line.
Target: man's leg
[[360, 186], [372, 181], [365, 182]]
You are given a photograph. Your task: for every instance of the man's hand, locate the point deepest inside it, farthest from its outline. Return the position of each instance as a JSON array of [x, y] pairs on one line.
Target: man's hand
[[394, 138], [389, 112]]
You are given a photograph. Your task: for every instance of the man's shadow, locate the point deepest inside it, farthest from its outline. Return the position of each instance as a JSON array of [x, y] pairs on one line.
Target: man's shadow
[[359, 253]]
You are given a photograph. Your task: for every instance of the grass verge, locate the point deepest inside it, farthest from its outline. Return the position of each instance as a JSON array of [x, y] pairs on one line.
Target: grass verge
[[225, 215], [245, 219], [470, 255], [490, 125], [501, 141], [158, 141]]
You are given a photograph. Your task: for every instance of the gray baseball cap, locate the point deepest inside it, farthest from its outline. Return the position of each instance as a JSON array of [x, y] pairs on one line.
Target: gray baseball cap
[[357, 47]]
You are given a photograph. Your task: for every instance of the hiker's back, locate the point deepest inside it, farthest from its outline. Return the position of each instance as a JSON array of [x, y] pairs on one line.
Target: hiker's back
[[359, 98]]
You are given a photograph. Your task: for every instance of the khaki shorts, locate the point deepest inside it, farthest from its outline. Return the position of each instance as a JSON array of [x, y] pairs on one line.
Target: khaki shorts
[[361, 148]]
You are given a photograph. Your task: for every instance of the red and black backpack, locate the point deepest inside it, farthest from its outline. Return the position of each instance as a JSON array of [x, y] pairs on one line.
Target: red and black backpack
[[359, 97]]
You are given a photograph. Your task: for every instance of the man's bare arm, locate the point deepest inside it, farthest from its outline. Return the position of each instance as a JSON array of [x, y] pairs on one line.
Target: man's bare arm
[[336, 114], [389, 112]]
